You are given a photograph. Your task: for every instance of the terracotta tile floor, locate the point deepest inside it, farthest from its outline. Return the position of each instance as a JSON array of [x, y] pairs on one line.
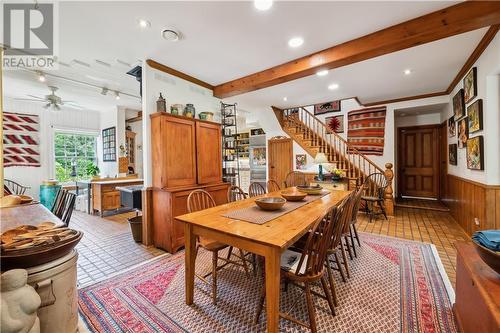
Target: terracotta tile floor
[[107, 246], [429, 226], [423, 204]]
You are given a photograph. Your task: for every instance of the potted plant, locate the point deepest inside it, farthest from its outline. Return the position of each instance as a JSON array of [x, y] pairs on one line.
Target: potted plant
[[92, 170]]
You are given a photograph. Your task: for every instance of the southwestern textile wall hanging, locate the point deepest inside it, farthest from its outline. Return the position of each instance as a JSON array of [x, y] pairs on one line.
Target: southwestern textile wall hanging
[[366, 128], [20, 140]]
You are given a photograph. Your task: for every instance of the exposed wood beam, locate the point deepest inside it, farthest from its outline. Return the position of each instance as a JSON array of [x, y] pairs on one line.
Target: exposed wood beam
[[483, 44], [457, 19], [178, 74], [408, 98]]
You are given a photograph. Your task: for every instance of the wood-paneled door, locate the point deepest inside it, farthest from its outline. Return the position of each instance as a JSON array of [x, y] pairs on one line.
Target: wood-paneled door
[[443, 159], [208, 152], [418, 161], [280, 161]]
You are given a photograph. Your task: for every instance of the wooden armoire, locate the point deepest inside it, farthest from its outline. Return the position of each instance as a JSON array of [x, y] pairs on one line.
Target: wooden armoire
[[186, 155]]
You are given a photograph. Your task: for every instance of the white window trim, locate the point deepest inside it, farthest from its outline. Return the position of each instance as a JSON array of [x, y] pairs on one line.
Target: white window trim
[[67, 130]]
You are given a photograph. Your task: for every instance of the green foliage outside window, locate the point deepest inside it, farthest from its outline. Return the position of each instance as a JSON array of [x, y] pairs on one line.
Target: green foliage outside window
[[74, 149]]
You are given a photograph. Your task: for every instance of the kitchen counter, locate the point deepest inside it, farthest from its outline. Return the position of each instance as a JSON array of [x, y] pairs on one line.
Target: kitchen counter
[[106, 196], [118, 181]]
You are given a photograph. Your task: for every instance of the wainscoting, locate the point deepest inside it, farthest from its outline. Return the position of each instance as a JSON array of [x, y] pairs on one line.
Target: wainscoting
[[468, 200]]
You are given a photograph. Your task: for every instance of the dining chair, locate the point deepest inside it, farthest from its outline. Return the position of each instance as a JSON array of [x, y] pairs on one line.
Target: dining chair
[[272, 186], [352, 233], [235, 193], [307, 267], [256, 189], [63, 206], [200, 200], [374, 185], [14, 187], [295, 178], [342, 219]]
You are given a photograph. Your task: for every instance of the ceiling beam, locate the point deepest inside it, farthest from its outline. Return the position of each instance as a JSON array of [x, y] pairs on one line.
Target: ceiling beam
[[174, 72], [450, 21]]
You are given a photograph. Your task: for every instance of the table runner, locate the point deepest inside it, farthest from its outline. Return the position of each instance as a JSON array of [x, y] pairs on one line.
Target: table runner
[[256, 215]]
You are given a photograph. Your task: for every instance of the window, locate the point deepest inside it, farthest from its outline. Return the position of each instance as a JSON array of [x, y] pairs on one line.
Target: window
[[74, 152]]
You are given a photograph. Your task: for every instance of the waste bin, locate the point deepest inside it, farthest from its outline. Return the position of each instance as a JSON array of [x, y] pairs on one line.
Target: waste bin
[[136, 227]]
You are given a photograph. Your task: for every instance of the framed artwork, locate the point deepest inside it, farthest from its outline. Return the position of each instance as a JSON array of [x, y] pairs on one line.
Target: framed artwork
[[475, 153], [459, 105], [109, 144], [335, 123], [470, 85], [452, 127], [475, 116], [463, 132], [327, 107], [452, 154], [300, 161]]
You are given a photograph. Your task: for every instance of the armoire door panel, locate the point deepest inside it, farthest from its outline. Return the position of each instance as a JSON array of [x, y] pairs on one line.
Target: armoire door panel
[[209, 150]]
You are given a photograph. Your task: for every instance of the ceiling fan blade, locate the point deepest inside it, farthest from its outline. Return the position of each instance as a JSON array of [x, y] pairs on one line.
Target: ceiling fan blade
[[36, 97], [29, 99]]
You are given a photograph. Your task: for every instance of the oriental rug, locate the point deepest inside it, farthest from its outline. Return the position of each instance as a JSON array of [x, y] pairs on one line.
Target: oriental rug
[[366, 128], [395, 286]]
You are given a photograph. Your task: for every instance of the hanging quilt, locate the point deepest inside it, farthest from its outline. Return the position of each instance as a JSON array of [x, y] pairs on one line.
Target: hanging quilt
[[20, 140], [366, 130]]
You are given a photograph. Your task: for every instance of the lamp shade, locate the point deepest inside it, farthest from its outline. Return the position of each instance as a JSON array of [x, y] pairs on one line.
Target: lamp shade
[[320, 158]]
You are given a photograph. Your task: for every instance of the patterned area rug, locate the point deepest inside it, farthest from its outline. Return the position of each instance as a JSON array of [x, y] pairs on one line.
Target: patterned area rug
[[396, 286]]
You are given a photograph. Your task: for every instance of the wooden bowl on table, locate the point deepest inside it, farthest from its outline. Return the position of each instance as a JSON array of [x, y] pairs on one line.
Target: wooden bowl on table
[[293, 195], [270, 203], [490, 257], [25, 199], [313, 190]]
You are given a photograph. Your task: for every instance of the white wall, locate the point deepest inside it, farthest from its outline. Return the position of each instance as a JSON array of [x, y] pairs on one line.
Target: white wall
[[175, 91], [488, 89], [67, 118], [417, 120]]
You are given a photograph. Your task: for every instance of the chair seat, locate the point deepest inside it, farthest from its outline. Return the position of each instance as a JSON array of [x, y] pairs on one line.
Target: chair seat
[[290, 261], [367, 198], [212, 245]]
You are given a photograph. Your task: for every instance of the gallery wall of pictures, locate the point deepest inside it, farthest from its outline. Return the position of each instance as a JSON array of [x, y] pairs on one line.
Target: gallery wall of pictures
[[109, 144], [466, 123]]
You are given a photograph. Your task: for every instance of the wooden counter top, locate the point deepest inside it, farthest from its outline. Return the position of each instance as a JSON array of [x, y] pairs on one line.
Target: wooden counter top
[[118, 181]]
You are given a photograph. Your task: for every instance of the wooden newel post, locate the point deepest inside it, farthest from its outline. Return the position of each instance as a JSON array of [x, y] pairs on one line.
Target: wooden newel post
[[389, 192]]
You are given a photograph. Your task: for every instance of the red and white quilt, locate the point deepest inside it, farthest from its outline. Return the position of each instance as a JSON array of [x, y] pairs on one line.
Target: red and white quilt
[[20, 140]]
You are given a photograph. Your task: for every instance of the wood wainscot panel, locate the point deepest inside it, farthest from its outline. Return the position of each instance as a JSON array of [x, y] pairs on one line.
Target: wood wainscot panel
[[168, 234], [469, 200]]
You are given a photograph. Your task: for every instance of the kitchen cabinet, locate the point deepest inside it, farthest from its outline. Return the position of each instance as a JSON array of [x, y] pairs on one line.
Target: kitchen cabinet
[[106, 197]]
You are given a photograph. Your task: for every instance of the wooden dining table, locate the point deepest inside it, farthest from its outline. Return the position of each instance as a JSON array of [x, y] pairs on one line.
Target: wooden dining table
[[30, 214], [268, 240]]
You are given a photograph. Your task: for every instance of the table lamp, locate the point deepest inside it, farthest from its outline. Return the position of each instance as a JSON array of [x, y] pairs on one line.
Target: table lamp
[[320, 158]]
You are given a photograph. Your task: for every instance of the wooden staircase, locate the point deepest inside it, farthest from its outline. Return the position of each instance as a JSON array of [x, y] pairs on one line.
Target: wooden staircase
[[314, 137]]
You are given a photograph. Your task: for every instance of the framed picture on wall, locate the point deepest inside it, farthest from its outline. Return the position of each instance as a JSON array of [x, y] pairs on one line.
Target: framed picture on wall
[[300, 161], [475, 153], [470, 85], [475, 116], [109, 144], [327, 107], [335, 123], [452, 154], [463, 132], [459, 105], [452, 127]]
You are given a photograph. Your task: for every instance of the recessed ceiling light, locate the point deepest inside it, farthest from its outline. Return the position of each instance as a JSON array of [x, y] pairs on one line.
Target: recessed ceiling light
[[263, 4], [170, 34], [295, 42], [144, 23], [407, 71], [322, 72], [285, 98], [333, 86]]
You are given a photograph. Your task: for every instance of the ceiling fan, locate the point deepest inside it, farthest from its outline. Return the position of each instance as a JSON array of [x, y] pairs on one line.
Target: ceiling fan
[[52, 101]]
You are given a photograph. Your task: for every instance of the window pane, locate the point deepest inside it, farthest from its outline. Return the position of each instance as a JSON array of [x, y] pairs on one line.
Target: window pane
[[74, 149]]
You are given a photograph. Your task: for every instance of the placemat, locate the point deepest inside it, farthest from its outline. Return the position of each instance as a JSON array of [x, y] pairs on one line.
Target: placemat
[[254, 214]]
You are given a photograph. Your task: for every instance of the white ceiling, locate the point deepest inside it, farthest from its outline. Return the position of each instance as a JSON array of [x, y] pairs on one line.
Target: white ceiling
[[226, 40]]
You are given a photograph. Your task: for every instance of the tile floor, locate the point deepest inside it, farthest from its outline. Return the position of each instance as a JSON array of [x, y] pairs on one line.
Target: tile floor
[[107, 246]]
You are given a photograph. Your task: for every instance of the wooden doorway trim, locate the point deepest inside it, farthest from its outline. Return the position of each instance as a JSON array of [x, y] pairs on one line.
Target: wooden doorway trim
[[443, 159], [400, 155]]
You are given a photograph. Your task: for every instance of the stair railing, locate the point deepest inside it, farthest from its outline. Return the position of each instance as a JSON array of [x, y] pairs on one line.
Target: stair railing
[[356, 165]]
